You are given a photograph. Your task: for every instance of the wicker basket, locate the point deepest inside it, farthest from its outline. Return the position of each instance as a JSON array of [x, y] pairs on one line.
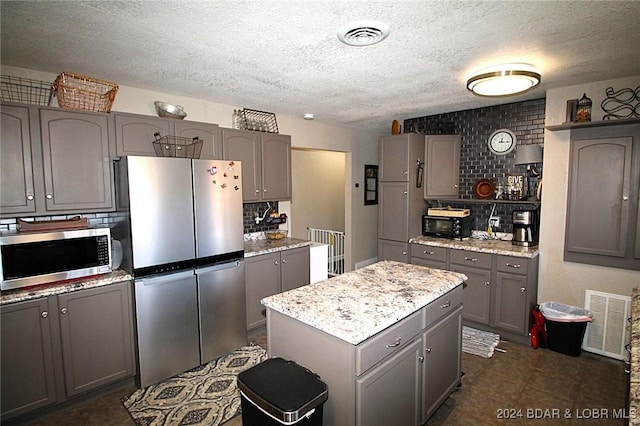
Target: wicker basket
[[177, 146], [25, 90], [259, 121], [75, 91]]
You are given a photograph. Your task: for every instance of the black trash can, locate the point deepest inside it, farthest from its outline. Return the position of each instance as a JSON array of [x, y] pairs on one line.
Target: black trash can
[[565, 326], [280, 392]]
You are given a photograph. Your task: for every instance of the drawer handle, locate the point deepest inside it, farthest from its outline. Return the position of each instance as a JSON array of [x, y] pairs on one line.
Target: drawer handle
[[395, 344], [513, 265], [446, 304], [471, 259], [429, 252]]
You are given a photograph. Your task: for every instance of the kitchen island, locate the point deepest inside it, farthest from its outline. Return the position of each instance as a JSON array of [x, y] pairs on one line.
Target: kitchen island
[[386, 339]]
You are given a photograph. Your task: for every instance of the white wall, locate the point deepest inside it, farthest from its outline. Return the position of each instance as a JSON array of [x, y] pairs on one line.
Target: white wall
[[562, 281], [361, 148]]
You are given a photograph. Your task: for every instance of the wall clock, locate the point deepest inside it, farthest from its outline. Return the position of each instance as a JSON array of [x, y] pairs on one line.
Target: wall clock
[[502, 141]]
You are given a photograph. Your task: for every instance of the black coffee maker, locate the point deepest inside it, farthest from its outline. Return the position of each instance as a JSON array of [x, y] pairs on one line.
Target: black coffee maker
[[525, 228]]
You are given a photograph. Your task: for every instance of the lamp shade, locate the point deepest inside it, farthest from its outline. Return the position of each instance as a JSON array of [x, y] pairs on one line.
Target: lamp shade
[[528, 154]]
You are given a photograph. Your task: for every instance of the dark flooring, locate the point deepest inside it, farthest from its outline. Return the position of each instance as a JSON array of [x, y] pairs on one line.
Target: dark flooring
[[519, 386]]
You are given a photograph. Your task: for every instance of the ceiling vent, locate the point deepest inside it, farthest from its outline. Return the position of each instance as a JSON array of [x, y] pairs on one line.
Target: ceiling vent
[[363, 33]]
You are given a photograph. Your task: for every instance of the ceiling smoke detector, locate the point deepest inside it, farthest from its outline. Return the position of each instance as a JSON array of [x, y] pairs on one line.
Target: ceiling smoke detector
[[363, 33]]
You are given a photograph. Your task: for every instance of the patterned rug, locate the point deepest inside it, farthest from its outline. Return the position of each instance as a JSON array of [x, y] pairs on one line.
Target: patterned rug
[[206, 395]]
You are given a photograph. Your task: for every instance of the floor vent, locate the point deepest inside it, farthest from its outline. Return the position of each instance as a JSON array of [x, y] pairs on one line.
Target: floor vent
[[610, 329]]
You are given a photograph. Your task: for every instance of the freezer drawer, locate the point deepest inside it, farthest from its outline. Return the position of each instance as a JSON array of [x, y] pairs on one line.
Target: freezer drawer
[[223, 319], [167, 325]]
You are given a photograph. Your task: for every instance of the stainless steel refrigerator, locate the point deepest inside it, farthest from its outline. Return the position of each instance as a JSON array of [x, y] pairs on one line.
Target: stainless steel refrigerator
[[186, 251]]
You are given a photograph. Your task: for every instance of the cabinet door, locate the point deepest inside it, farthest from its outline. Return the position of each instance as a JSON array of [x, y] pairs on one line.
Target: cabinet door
[[244, 146], [134, 133], [262, 275], [276, 167], [96, 328], [442, 361], [442, 170], [77, 166], [28, 378], [510, 303], [476, 294], [393, 214], [393, 250], [389, 394], [294, 265], [209, 133], [394, 158], [16, 169]]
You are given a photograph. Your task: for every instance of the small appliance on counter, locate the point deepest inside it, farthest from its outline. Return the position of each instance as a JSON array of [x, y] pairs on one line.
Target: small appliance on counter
[[525, 228], [451, 227]]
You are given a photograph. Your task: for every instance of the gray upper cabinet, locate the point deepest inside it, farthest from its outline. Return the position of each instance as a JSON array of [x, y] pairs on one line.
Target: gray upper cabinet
[[266, 163], [401, 202], [135, 134], [442, 169], [16, 164], [602, 210], [78, 175]]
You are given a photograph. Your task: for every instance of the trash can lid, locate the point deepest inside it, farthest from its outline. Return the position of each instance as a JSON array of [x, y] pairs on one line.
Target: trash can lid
[[283, 389]]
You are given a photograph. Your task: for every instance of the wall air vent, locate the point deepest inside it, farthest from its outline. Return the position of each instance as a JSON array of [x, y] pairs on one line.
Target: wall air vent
[[609, 331], [363, 33]]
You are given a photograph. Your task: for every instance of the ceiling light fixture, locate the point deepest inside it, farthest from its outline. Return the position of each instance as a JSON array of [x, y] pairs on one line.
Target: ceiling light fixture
[[504, 80], [363, 33]]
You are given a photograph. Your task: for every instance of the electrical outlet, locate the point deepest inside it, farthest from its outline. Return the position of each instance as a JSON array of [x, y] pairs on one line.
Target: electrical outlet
[[494, 221]]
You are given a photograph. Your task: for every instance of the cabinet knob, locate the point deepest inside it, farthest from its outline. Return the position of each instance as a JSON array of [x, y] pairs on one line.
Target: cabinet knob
[[257, 191], [30, 197], [284, 261], [625, 198], [428, 350], [404, 252], [471, 259], [421, 358], [487, 283], [513, 265], [406, 173], [455, 186], [63, 311], [405, 192], [264, 190], [49, 196], [395, 344], [275, 263], [523, 289], [44, 314]]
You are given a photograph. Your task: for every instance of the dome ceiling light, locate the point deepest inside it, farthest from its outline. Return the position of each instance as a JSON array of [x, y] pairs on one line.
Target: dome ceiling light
[[504, 80], [363, 33]]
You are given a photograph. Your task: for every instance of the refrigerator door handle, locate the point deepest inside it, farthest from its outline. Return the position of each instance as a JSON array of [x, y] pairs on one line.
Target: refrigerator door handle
[[219, 267], [156, 279]]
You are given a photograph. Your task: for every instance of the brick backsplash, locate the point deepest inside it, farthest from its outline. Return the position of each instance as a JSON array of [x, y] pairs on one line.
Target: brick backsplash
[[525, 119], [249, 212]]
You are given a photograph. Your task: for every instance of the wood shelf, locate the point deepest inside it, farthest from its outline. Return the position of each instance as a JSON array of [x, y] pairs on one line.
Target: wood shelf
[[569, 126], [477, 201]]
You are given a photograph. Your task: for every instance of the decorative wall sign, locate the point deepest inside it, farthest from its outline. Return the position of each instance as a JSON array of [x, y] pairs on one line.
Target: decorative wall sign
[[625, 103]]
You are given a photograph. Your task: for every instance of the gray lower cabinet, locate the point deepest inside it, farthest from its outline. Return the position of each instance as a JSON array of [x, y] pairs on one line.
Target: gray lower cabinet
[[516, 288], [54, 162], [393, 250], [58, 347], [431, 257], [266, 163], [397, 377], [477, 289], [135, 134], [273, 273]]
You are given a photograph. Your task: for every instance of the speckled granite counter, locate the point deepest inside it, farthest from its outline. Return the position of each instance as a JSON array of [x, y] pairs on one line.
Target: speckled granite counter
[[359, 304], [36, 292], [634, 389], [263, 246], [485, 246]]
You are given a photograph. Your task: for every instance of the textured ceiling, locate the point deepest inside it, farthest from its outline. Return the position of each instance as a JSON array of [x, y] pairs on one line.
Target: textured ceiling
[[283, 56]]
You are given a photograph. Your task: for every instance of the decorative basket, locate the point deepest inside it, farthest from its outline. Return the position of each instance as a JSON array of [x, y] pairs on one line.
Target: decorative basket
[[177, 146], [259, 121], [25, 90], [75, 91]]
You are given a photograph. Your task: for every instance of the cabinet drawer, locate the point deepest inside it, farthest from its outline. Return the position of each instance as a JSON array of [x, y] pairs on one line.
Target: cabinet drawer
[[471, 258], [513, 264], [387, 342], [429, 252], [440, 307]]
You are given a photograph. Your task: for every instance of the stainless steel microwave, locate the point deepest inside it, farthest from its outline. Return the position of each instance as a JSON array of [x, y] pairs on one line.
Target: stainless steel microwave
[[28, 259], [447, 227]]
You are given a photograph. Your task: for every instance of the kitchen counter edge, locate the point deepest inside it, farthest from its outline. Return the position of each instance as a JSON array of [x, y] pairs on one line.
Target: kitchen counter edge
[[265, 246], [505, 248]]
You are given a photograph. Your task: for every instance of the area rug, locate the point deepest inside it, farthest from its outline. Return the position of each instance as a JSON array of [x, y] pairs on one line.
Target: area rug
[[206, 395], [478, 342]]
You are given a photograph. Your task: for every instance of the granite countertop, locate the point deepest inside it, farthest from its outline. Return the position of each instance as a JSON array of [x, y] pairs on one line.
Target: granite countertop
[[359, 304], [634, 389], [256, 247], [484, 246], [36, 292]]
